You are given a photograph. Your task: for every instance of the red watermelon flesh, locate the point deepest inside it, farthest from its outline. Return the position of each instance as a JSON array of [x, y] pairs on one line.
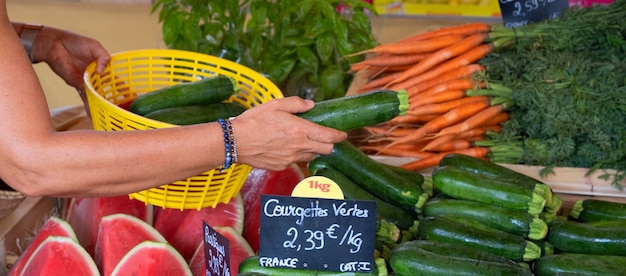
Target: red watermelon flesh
[[260, 182], [52, 227], [239, 250], [60, 256], [151, 258], [84, 215], [183, 229], [117, 235]]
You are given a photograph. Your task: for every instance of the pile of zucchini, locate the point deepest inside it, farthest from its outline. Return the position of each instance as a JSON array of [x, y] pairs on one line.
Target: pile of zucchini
[[478, 218]]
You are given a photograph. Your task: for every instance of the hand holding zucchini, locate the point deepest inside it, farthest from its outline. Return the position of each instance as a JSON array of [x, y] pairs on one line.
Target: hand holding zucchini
[[353, 112]]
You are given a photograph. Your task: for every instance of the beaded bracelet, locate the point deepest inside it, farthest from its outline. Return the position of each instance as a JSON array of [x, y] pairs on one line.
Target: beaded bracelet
[[229, 143]]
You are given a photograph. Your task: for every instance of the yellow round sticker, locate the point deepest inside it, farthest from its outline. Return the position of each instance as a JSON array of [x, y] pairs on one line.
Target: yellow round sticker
[[317, 187]]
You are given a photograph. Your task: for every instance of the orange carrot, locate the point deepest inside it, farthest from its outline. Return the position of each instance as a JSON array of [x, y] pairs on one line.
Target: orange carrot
[[465, 29], [399, 152], [497, 119], [413, 119], [473, 121], [429, 162], [462, 72], [416, 47], [446, 96], [443, 55], [455, 84], [370, 85], [453, 144], [440, 108], [451, 117], [466, 58], [390, 60], [392, 131], [479, 131]]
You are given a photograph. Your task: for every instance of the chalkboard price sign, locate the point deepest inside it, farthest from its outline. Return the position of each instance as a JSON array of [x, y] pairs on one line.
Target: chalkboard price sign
[[317, 233], [216, 252], [517, 13]]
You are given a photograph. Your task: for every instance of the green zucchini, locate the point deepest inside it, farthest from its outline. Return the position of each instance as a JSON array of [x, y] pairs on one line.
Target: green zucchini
[[440, 258], [505, 219], [580, 264], [462, 184], [513, 247], [201, 92], [251, 264], [487, 168], [196, 114], [578, 237], [375, 177], [353, 112], [351, 190], [594, 209]]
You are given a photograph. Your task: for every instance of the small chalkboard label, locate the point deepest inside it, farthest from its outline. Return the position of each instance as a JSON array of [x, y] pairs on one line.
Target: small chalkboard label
[[317, 233], [216, 252], [516, 13]]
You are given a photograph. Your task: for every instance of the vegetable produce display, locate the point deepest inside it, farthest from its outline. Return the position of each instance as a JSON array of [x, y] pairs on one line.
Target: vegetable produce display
[[301, 45], [549, 93], [480, 218]]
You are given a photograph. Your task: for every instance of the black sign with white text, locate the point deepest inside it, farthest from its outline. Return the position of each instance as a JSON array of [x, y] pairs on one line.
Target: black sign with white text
[[517, 13], [317, 234]]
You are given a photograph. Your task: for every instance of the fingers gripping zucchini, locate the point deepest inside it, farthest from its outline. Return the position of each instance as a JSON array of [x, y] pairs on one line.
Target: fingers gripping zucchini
[[353, 112], [204, 91], [462, 184], [422, 257], [376, 178]]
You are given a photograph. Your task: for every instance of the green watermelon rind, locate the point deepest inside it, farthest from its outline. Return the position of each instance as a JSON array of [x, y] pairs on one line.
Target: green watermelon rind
[[149, 231], [61, 224], [127, 259], [80, 253]]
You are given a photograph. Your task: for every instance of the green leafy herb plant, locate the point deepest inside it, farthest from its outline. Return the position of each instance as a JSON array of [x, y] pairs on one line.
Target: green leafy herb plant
[[300, 45]]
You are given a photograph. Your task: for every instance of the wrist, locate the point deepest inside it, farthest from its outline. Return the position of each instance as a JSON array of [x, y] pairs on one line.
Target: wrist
[[28, 36]]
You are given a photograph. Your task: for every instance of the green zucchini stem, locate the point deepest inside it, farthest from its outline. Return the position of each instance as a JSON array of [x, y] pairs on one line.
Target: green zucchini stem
[[538, 229], [423, 198], [537, 202], [403, 97], [555, 205], [387, 232], [532, 251], [576, 209]]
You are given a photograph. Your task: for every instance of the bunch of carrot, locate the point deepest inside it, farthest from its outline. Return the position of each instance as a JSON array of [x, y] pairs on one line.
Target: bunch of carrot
[[450, 106]]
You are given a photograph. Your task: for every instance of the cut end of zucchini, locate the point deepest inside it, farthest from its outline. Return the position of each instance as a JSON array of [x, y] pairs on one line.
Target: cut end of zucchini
[[235, 86], [423, 198], [387, 232], [547, 192], [538, 201], [576, 209], [547, 217], [555, 206], [403, 107], [532, 251], [538, 229]]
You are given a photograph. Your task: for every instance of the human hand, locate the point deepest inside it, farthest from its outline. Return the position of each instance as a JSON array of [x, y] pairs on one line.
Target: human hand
[[269, 136], [68, 55]]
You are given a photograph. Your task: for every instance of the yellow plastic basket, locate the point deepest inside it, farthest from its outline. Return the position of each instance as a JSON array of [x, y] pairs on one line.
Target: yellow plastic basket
[[132, 73]]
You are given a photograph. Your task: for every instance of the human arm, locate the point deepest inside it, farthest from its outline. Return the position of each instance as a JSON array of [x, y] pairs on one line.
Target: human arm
[[66, 53], [37, 160]]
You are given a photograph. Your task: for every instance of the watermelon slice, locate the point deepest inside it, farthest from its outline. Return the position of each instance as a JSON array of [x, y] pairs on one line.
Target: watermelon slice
[[117, 235], [239, 250], [151, 258], [84, 215], [60, 256], [183, 229], [260, 182], [53, 226]]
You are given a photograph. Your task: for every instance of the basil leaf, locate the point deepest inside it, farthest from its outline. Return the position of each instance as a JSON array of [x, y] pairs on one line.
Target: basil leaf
[[308, 59], [325, 47]]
